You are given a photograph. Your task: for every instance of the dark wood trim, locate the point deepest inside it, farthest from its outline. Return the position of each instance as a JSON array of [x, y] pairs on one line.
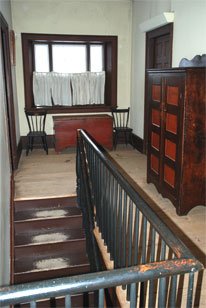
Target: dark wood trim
[[12, 192], [149, 63], [19, 151], [68, 110], [4, 44], [37, 142], [137, 142], [110, 47]]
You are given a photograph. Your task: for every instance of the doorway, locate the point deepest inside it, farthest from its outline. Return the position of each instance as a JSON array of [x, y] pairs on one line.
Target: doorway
[[9, 106], [158, 55]]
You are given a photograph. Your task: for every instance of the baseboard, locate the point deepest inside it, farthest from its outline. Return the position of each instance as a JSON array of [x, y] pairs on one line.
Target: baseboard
[[12, 192], [37, 142], [19, 150], [138, 143]]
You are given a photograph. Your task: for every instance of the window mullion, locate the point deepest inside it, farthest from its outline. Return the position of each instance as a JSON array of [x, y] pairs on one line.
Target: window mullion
[[88, 66], [50, 58]]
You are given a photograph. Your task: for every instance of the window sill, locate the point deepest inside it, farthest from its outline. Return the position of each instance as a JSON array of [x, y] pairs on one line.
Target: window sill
[[79, 109]]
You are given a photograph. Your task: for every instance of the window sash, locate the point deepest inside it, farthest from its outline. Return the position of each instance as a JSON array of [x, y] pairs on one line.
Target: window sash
[[45, 55]]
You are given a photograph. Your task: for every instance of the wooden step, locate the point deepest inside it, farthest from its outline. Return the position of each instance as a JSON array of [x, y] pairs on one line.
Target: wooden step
[[49, 213], [48, 236], [44, 203], [70, 222], [78, 245], [33, 268]]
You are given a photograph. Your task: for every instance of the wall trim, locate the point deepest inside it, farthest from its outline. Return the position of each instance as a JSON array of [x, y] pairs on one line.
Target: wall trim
[[137, 143], [19, 151], [37, 142], [157, 21], [12, 192]]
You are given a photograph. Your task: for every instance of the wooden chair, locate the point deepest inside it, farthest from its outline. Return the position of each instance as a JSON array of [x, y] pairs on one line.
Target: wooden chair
[[36, 122], [120, 125]]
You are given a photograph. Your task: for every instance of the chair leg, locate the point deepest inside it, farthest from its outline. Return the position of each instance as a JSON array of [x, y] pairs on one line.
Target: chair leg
[[32, 143], [44, 142], [125, 137]]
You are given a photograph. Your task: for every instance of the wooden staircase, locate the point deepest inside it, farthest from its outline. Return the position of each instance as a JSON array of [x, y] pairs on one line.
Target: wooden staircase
[[49, 240]]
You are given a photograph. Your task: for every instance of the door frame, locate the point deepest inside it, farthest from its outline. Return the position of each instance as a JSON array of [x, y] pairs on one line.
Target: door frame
[[10, 112], [149, 63]]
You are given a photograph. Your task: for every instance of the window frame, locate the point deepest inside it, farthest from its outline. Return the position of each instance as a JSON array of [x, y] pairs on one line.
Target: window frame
[[110, 62]]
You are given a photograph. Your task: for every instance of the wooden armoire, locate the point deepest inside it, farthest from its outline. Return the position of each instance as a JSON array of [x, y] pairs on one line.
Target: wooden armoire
[[176, 135]]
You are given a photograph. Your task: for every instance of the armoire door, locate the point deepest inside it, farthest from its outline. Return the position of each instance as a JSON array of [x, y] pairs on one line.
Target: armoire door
[[165, 96], [155, 123], [171, 133]]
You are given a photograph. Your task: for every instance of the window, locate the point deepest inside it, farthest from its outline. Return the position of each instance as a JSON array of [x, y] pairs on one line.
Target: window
[[88, 63]]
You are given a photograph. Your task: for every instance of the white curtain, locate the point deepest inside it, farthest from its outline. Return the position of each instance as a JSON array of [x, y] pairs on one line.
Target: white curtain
[[96, 87], [68, 89], [42, 89], [61, 89], [80, 88]]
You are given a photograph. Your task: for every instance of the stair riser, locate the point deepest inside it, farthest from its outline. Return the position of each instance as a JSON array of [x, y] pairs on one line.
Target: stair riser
[[67, 222], [35, 276], [53, 249], [44, 203]]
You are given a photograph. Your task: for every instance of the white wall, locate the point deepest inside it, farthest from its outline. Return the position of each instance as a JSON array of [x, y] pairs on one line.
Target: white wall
[[93, 17], [189, 39], [189, 29], [5, 172]]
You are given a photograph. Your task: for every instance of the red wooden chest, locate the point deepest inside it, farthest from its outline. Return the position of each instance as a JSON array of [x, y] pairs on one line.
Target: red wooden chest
[[100, 127]]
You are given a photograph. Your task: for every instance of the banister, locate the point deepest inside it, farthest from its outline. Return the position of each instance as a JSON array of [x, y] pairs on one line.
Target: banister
[[94, 281], [175, 243]]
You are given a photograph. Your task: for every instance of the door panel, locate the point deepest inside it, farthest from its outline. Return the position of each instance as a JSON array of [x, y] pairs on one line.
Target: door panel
[[158, 55], [162, 51]]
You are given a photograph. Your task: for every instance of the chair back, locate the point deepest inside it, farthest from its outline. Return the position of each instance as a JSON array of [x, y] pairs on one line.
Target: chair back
[[36, 120], [120, 117]]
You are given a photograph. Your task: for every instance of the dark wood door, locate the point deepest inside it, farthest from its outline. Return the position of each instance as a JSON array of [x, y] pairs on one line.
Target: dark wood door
[[158, 55], [162, 52]]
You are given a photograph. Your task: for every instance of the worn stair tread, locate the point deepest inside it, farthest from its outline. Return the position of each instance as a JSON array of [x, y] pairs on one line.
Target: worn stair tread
[[69, 222], [46, 236], [38, 264], [45, 203], [50, 213], [55, 249], [50, 274]]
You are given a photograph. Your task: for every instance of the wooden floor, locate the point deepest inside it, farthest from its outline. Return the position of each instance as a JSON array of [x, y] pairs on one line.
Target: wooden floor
[[42, 176], [53, 175]]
